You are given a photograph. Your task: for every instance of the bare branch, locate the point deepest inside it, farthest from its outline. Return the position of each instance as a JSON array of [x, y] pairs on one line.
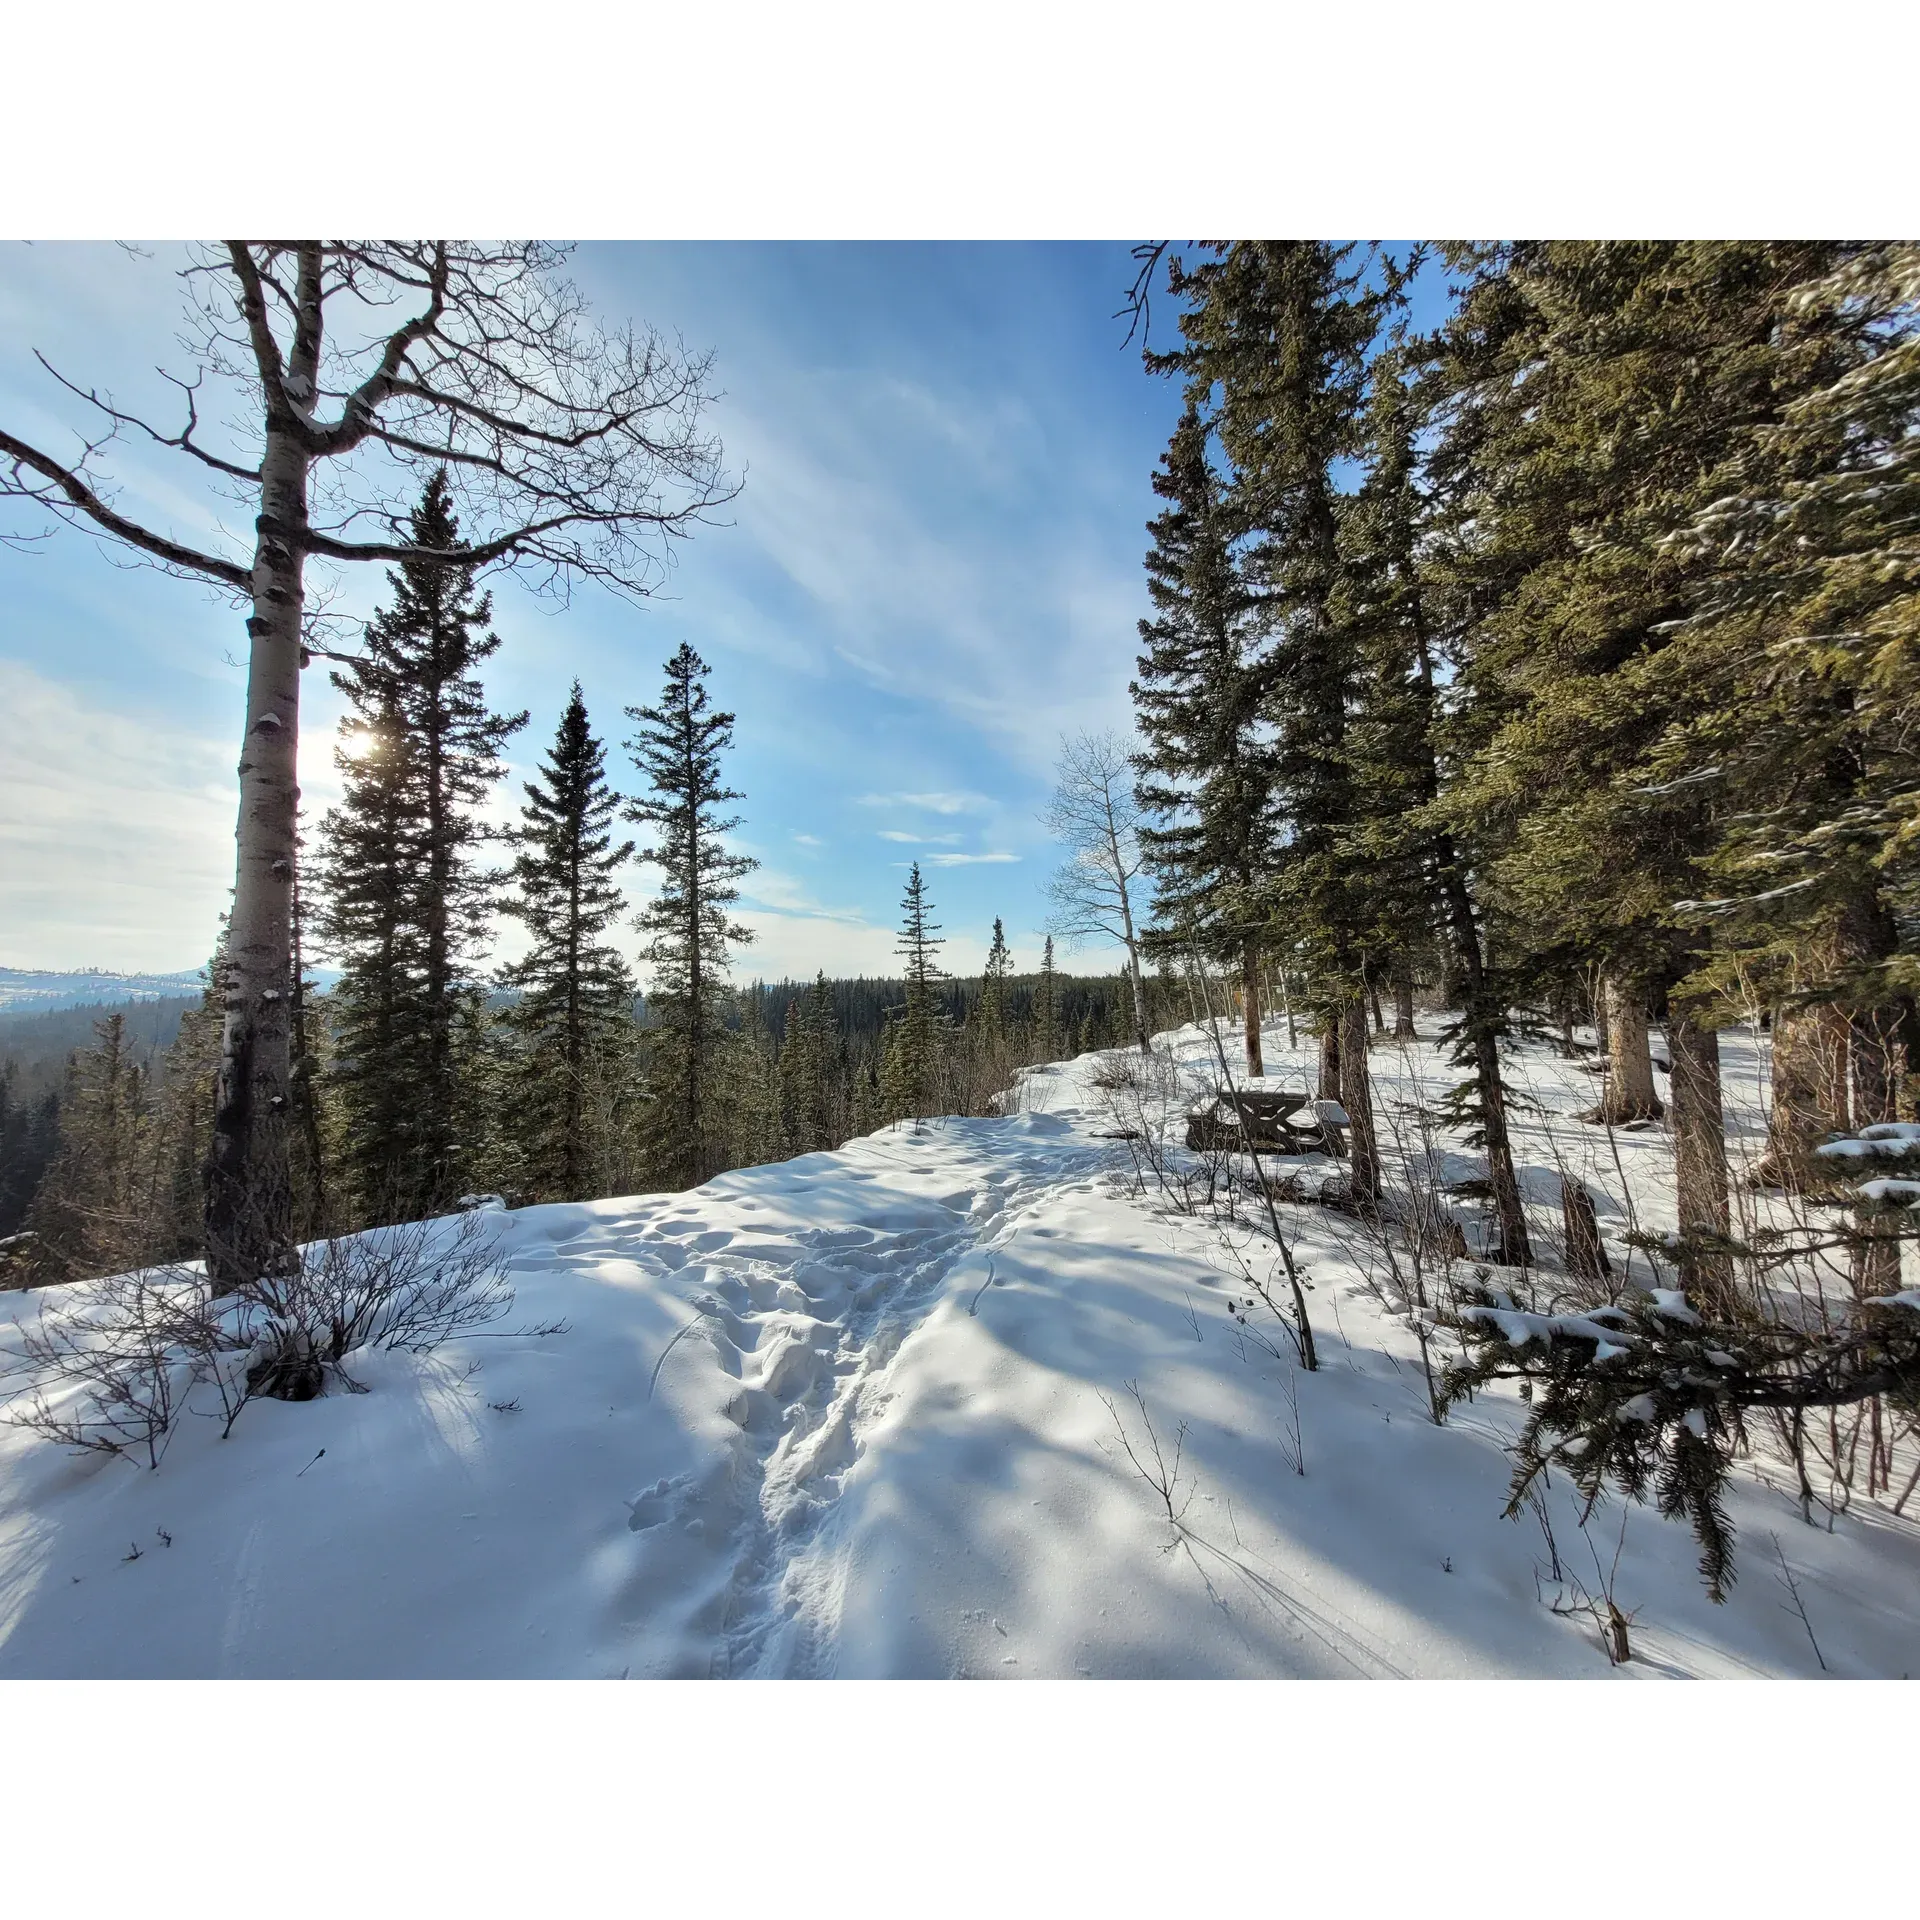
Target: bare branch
[[85, 501], [183, 440], [253, 308]]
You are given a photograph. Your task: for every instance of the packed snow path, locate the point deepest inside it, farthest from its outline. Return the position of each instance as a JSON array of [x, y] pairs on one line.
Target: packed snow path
[[868, 1413], [807, 1323]]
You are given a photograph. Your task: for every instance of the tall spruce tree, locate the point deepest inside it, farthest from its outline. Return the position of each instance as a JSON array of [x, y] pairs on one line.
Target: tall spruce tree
[[988, 1037], [756, 1115], [810, 1101], [1797, 673], [912, 1056], [1607, 394], [29, 1139], [408, 899], [1791, 688], [1048, 1039], [678, 745], [183, 1118], [574, 1017], [368, 869], [1418, 865], [1279, 330], [101, 1207], [1392, 750], [993, 987], [1205, 768], [308, 1161]]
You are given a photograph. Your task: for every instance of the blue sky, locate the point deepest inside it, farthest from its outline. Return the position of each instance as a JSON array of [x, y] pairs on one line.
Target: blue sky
[[931, 572]]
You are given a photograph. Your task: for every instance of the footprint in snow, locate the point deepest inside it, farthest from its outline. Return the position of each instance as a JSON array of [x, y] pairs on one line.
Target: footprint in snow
[[657, 1504]]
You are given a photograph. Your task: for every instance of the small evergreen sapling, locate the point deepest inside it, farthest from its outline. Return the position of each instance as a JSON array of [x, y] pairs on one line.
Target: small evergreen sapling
[[1047, 1041]]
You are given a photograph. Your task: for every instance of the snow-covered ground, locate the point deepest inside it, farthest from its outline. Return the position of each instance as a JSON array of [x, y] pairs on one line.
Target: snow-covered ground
[[894, 1441]]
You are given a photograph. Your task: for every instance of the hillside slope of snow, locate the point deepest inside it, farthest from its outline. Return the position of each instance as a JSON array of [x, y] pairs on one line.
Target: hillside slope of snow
[[891, 1439]]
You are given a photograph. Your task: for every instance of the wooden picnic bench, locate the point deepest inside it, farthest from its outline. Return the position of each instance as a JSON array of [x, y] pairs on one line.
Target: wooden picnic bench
[[1268, 1126]]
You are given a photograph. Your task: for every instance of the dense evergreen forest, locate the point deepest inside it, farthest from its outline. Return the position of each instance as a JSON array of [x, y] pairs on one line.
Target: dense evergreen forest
[[1569, 656], [1565, 655]]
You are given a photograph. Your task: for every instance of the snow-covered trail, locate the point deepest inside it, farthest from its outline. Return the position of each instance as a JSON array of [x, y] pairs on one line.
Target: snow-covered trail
[[870, 1413], [807, 1320]]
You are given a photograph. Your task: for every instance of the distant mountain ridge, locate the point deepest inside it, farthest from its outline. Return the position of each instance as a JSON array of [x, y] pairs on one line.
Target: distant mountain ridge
[[24, 991]]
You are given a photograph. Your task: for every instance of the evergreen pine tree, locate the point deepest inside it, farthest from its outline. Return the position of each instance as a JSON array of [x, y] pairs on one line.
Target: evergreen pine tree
[[808, 1071], [183, 1116], [101, 1205], [308, 1161], [408, 902], [1604, 397], [756, 1124], [869, 1104], [29, 1139], [993, 987], [987, 1036], [1046, 1008], [1797, 672], [913, 1041], [1418, 867], [678, 747], [1205, 769], [433, 638], [1280, 330], [368, 863], [574, 1018], [1392, 747]]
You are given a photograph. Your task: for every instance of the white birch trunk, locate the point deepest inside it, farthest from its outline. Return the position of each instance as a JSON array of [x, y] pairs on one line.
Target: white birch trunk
[[249, 1200]]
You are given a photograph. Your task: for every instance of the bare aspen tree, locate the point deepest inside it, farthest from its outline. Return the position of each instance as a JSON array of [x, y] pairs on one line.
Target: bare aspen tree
[[359, 367], [1094, 812]]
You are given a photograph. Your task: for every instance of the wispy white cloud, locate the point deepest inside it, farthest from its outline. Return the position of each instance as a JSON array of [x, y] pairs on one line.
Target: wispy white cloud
[[972, 859], [775, 892], [116, 834], [846, 469], [808, 840], [930, 802], [919, 839]]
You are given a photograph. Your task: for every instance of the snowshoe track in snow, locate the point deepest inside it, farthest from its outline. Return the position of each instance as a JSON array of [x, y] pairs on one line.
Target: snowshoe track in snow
[[808, 1323]]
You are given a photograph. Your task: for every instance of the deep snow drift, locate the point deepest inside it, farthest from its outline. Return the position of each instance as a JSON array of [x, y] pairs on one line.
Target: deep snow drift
[[893, 1441]]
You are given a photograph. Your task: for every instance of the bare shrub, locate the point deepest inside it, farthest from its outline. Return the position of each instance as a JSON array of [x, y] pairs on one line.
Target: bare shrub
[[108, 1368], [1149, 1460], [112, 1366], [1600, 1606], [1114, 1072], [410, 1287], [1146, 1108]]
